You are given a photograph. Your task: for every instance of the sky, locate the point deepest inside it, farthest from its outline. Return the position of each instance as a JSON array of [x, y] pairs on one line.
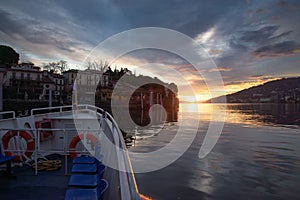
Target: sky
[[249, 41]]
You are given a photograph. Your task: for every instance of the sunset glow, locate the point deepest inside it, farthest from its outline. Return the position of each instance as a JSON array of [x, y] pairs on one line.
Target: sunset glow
[[255, 44], [204, 94]]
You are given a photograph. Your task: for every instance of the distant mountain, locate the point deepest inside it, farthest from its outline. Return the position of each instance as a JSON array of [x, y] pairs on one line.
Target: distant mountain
[[286, 90]]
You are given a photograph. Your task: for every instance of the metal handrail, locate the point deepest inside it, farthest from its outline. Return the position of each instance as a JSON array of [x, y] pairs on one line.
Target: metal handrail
[[9, 112], [126, 160], [51, 108]]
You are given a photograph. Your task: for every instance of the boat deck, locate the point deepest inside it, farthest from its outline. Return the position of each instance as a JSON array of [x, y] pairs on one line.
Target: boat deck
[[24, 184], [53, 184]]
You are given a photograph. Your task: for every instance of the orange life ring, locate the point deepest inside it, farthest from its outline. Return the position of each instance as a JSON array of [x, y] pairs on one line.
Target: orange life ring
[[76, 139], [29, 141]]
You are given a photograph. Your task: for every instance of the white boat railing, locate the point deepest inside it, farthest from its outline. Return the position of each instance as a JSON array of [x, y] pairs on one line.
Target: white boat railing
[[124, 164], [12, 113], [52, 109], [128, 184], [38, 152], [36, 111]]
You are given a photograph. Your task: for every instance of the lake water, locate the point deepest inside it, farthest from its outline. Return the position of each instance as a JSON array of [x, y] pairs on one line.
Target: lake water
[[256, 157]]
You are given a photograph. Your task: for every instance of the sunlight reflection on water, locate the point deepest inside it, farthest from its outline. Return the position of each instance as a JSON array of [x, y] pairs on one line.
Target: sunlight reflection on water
[[256, 157], [251, 114]]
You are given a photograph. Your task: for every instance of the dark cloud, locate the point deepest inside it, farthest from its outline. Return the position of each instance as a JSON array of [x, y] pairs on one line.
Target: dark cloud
[[281, 3], [149, 55], [101, 19], [35, 32], [235, 83], [237, 45], [258, 36], [257, 76], [257, 11], [277, 50], [248, 35], [263, 36], [189, 17]]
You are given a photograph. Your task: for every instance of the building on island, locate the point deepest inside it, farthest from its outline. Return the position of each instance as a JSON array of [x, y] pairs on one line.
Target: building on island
[[26, 86]]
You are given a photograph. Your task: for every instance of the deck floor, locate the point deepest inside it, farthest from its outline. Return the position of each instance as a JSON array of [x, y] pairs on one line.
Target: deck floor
[[24, 184]]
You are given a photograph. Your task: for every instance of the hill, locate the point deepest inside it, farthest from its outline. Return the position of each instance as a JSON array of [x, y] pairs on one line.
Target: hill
[[286, 90]]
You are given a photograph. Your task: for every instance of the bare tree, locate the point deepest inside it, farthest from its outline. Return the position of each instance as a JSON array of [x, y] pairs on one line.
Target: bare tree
[[63, 65], [51, 66], [99, 65], [56, 67]]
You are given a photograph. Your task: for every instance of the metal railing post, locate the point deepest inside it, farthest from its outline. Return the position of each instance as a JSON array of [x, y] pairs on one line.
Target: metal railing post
[[65, 152], [36, 133]]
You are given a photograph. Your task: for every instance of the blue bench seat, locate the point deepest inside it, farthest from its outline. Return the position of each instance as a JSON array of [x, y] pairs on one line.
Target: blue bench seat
[[85, 168], [84, 180], [98, 168], [84, 160], [87, 194], [7, 160]]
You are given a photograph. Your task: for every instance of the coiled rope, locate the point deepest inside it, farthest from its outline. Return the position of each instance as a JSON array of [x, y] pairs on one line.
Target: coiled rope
[[47, 165]]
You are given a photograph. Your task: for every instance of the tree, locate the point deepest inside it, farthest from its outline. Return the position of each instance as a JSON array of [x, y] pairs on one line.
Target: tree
[[56, 67], [8, 56], [63, 65], [99, 65]]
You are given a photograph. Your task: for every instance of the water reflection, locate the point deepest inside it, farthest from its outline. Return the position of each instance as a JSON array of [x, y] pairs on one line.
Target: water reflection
[[273, 114], [155, 116], [249, 161], [256, 114], [151, 123], [148, 123]]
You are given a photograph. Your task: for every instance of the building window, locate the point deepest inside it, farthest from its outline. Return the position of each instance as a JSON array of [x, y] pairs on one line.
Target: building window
[[28, 76], [22, 75]]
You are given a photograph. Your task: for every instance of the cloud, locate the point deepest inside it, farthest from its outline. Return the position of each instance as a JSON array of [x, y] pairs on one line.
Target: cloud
[[277, 50], [36, 40], [257, 11], [36, 32], [221, 69], [265, 35], [235, 86], [189, 68], [257, 36], [257, 76], [216, 51], [149, 55], [281, 3], [205, 36]]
